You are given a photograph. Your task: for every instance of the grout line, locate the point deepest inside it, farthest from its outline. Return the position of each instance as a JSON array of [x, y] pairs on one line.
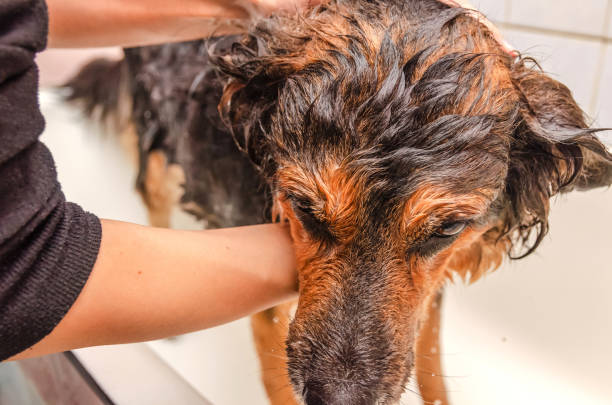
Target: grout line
[[597, 80], [508, 10], [607, 20], [559, 33], [601, 65]]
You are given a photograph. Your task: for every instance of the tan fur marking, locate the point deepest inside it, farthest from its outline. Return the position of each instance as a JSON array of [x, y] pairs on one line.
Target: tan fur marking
[[162, 188], [128, 138], [333, 192], [476, 254], [270, 332], [431, 201], [428, 367]]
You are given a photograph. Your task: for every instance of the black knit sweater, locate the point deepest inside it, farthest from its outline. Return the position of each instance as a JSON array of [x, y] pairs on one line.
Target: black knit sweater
[[47, 246]]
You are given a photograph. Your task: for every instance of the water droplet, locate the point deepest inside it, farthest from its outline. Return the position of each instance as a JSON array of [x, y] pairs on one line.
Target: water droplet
[[434, 350], [437, 402], [275, 319]]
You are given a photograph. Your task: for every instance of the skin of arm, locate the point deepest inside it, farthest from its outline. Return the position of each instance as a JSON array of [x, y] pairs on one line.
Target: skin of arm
[[95, 23], [148, 283]]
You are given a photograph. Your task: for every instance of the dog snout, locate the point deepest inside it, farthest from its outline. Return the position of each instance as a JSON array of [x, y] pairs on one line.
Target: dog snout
[[350, 343], [347, 363], [338, 393]]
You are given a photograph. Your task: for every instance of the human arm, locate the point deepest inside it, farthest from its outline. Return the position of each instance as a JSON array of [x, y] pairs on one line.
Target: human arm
[[53, 253], [77, 23], [149, 283], [93, 23]]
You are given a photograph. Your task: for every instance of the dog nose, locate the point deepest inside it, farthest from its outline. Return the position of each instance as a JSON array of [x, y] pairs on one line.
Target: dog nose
[[316, 394], [312, 398]]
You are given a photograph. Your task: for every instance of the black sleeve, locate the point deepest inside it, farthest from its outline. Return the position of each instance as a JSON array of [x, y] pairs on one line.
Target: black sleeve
[[47, 246]]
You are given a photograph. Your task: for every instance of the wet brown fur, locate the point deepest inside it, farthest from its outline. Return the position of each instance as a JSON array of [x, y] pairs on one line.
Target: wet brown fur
[[162, 188]]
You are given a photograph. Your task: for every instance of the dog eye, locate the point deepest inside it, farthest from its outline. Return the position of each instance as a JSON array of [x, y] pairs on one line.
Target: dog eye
[[312, 224], [443, 237], [450, 229], [302, 208]]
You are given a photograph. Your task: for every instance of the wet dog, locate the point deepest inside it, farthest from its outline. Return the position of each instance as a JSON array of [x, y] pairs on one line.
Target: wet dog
[[399, 142]]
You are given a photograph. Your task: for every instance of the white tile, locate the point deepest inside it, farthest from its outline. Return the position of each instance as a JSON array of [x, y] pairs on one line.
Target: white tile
[[221, 363], [603, 110], [572, 61], [58, 65], [495, 10], [93, 169], [151, 379], [586, 16], [610, 21], [510, 329]]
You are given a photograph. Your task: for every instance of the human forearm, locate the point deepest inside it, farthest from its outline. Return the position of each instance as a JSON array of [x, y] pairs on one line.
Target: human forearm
[[92, 23], [78, 23], [149, 283]]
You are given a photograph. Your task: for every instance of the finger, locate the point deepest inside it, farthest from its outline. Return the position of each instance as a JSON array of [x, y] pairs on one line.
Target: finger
[[270, 6]]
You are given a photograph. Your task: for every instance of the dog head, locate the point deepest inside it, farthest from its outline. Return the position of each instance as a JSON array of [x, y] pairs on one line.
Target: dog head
[[402, 145]]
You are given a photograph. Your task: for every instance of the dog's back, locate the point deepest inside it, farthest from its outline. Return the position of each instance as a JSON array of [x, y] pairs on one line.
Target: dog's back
[[167, 96]]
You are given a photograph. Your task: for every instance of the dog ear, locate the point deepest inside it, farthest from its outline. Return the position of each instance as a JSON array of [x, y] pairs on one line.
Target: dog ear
[[251, 87], [552, 151]]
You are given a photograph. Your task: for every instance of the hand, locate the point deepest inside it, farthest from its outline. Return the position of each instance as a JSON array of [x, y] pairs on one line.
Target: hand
[[480, 17], [285, 4], [267, 7]]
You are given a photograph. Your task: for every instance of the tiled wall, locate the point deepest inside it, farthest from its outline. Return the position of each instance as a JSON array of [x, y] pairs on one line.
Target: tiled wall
[[57, 66], [572, 40]]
